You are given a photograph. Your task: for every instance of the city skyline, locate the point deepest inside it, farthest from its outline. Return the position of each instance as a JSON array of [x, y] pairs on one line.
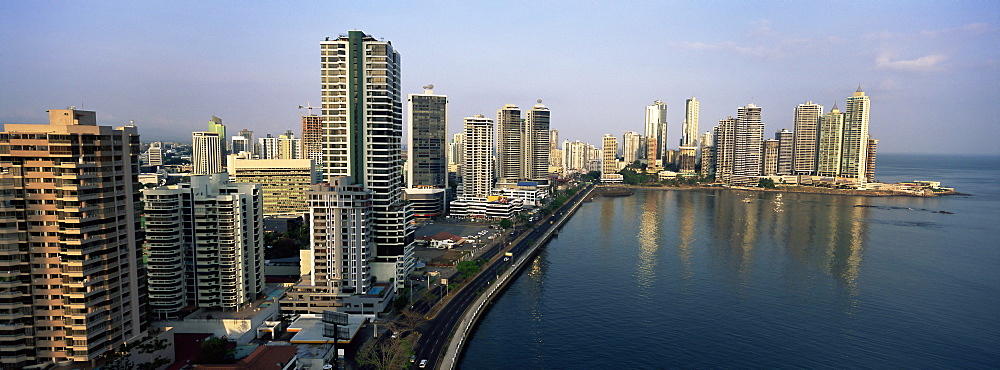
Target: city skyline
[[921, 63]]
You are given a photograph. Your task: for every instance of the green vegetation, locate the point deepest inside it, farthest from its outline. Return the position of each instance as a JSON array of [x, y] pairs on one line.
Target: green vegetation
[[506, 223], [287, 244], [215, 350], [591, 176], [469, 268], [766, 183]]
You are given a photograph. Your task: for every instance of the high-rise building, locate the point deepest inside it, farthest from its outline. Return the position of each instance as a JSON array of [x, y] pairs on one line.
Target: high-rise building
[[154, 155], [870, 167], [205, 245], [206, 153], [831, 141], [690, 135], [510, 159], [656, 130], [806, 135], [687, 152], [284, 182], [707, 154], [770, 157], [312, 137], [535, 144], [631, 147], [477, 171], [246, 133], [609, 164], [269, 147], [342, 235], [749, 144], [456, 150], [725, 146], [427, 159], [74, 286], [553, 139], [856, 136], [786, 151], [241, 144], [215, 125], [362, 115], [288, 146]]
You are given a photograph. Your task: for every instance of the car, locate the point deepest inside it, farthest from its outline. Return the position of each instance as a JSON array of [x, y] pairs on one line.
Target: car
[[423, 363], [413, 358]]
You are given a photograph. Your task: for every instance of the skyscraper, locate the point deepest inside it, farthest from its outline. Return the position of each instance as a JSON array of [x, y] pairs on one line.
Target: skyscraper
[[725, 146], [609, 164], [206, 153], [427, 167], [362, 117], [215, 125], [856, 136], [707, 154], [688, 149], [831, 141], [535, 144], [806, 126], [250, 139], [656, 128], [70, 242], [207, 256], [870, 167], [748, 156], [632, 145], [289, 147], [477, 171], [510, 159], [786, 151], [770, 157]]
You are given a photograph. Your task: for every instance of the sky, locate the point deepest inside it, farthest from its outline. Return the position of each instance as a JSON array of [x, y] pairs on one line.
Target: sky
[[931, 68]]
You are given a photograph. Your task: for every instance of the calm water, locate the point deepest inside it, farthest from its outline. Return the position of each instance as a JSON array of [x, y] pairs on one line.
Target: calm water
[[739, 279]]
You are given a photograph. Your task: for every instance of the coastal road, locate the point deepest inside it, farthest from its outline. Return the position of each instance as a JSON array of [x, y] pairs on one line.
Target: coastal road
[[436, 332]]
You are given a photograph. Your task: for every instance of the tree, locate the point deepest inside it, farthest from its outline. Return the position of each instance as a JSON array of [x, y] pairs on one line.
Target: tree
[[506, 223], [215, 350], [468, 268], [766, 183], [390, 353]]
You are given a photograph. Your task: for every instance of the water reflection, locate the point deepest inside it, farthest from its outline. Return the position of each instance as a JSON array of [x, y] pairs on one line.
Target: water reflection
[[649, 237], [686, 214]]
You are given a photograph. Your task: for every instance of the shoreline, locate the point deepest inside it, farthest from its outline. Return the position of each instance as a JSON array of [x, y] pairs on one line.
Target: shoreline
[[801, 189]]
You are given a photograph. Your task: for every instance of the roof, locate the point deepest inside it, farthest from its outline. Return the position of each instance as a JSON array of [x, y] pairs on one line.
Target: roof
[[444, 235], [262, 358]]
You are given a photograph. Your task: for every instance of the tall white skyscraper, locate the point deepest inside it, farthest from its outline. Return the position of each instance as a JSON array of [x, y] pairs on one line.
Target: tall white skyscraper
[[690, 134], [477, 171], [609, 163], [362, 118], [632, 147], [206, 153], [786, 151], [806, 136], [656, 128], [856, 136], [725, 149], [831, 141]]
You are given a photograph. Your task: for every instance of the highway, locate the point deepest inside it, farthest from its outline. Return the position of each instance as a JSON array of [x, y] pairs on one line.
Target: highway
[[436, 332]]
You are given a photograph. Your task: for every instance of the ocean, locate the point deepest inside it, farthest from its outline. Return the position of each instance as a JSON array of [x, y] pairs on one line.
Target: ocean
[[740, 279]]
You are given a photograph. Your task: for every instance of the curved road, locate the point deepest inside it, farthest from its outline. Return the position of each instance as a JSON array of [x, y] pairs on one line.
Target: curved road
[[436, 332]]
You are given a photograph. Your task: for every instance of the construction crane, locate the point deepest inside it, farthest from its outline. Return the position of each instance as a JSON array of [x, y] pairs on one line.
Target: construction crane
[[309, 107]]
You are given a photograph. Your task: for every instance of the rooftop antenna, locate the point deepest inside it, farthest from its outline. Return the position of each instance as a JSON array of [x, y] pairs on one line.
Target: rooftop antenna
[[539, 101]]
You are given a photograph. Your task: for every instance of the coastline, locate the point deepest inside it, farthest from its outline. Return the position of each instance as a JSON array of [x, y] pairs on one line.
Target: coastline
[[802, 189]]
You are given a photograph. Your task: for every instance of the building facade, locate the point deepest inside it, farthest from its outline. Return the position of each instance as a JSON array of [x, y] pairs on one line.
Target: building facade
[[786, 151], [510, 159], [806, 138], [831, 141], [427, 157], [656, 133], [74, 286], [748, 146], [477, 171], [312, 138], [855, 147], [206, 153], [362, 118], [205, 245], [535, 144], [284, 182]]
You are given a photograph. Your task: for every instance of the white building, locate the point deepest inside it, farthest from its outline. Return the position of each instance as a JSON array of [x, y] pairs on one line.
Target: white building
[[206, 156]]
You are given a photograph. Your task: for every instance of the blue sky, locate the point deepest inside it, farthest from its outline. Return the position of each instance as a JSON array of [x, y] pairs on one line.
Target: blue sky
[[932, 69]]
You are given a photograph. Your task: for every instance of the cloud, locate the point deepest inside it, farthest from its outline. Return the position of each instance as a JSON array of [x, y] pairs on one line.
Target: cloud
[[925, 63]]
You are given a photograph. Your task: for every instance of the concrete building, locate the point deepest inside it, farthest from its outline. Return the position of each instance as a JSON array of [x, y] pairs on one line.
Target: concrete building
[[205, 245], [748, 145], [248, 135], [456, 150], [707, 154], [73, 286], [870, 156], [312, 137], [206, 153], [786, 151], [477, 171], [154, 155], [725, 146], [341, 276], [631, 147], [289, 147], [510, 159], [831, 141], [362, 117], [284, 182], [770, 157], [656, 133], [806, 138], [688, 150], [855, 147], [427, 167], [241, 144], [609, 167], [535, 144]]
